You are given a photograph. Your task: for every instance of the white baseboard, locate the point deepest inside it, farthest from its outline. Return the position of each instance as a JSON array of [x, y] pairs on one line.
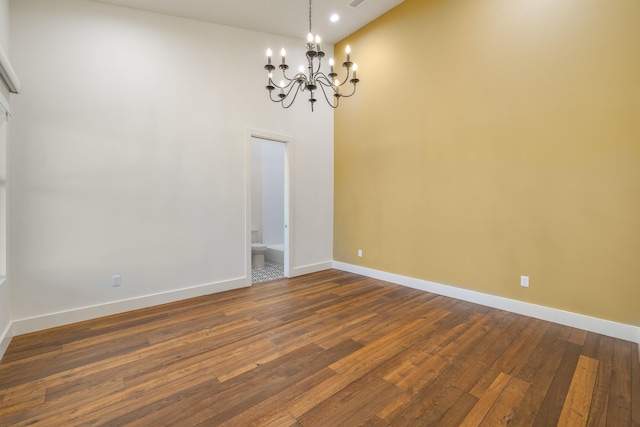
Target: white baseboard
[[593, 324], [5, 339], [52, 320], [38, 323], [312, 268], [601, 326]]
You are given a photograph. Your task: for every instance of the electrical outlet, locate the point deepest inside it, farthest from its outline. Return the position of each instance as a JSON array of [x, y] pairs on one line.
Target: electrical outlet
[[524, 281], [360, 252], [116, 280]]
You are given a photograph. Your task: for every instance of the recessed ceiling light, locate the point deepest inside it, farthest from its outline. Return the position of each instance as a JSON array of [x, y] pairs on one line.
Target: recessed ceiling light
[[335, 17]]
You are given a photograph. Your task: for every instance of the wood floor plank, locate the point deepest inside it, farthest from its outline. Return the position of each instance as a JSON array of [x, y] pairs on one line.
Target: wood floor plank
[[49, 414], [513, 359], [365, 414], [600, 398], [578, 336], [507, 404], [271, 409], [336, 409], [19, 400], [488, 350], [619, 407], [539, 371], [456, 414], [330, 348], [387, 346], [11, 376], [577, 403], [448, 354], [635, 386], [430, 406], [591, 345], [486, 401], [191, 404], [555, 396], [279, 374], [308, 400]]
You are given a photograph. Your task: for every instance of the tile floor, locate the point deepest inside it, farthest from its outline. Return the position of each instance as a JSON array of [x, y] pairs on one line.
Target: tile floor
[[270, 271]]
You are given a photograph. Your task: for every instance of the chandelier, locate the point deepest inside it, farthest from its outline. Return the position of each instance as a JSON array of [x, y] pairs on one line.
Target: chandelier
[[314, 79]]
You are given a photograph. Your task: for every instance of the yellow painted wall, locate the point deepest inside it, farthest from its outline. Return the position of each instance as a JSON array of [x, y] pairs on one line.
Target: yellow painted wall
[[496, 138]]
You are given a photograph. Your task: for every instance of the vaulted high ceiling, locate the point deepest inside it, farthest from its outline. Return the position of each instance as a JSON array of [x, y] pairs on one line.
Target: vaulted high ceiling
[[283, 17]]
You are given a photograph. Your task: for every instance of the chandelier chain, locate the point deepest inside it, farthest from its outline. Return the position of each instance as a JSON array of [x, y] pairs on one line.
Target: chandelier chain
[[309, 16]]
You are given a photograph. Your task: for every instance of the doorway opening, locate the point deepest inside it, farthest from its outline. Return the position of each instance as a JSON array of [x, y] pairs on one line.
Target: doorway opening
[[269, 208]]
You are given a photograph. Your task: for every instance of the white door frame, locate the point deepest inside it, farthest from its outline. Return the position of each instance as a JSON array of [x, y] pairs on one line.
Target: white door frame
[[288, 218]]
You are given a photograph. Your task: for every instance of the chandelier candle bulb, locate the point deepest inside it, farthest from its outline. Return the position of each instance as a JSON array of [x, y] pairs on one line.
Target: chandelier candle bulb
[[331, 65], [283, 53], [348, 50], [355, 68], [269, 56]]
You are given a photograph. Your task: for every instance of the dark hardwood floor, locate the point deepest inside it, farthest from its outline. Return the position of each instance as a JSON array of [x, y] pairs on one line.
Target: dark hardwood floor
[[327, 349]]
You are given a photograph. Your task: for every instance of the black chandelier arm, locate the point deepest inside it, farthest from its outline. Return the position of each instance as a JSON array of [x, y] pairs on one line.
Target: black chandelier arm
[[335, 95], [296, 90], [271, 97], [289, 80], [298, 77], [346, 78], [282, 97], [322, 78], [335, 90], [330, 81], [324, 81], [352, 92]]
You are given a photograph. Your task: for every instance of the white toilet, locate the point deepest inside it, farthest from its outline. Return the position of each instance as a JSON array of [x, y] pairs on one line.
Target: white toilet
[[258, 251]]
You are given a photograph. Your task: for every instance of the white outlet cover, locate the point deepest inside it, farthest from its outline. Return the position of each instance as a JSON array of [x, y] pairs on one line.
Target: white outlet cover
[[524, 281]]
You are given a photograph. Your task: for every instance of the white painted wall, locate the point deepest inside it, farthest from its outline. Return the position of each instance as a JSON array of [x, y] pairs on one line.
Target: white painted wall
[[4, 26], [267, 192], [4, 41], [256, 186], [128, 158], [3, 195], [5, 294], [272, 192]]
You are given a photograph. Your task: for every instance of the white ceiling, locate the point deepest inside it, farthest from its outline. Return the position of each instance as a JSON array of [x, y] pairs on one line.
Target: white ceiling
[[282, 17]]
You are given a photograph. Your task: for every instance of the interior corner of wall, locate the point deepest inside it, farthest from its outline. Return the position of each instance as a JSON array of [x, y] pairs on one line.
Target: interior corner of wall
[[4, 100], [5, 339], [638, 344]]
